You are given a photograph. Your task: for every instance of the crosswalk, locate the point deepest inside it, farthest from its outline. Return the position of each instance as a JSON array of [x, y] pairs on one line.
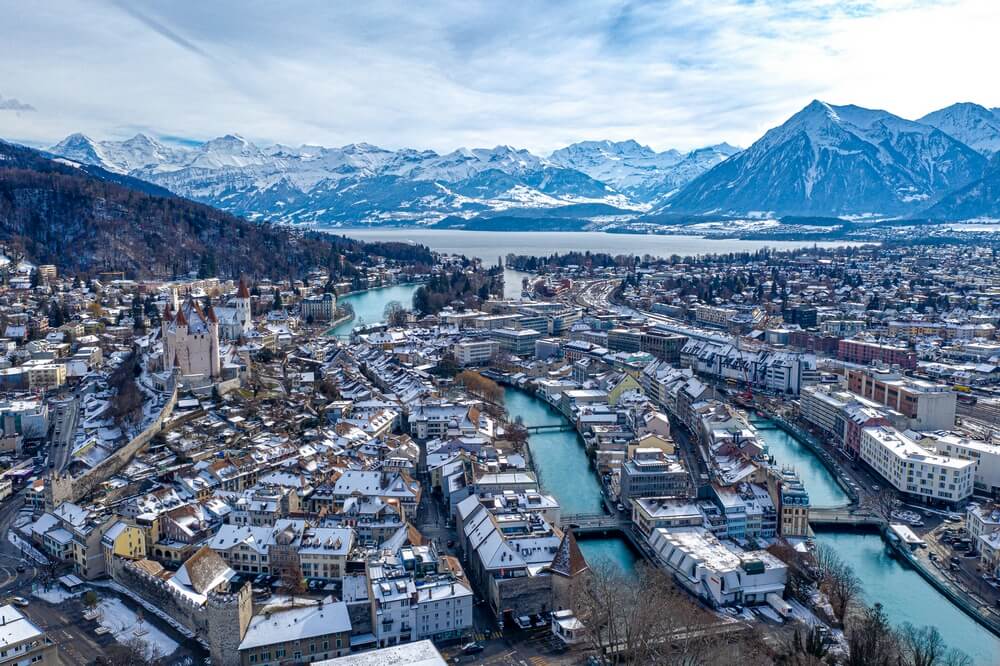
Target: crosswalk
[[538, 661], [486, 635]]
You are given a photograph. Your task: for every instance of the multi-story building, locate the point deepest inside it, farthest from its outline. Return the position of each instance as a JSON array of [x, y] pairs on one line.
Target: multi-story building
[[475, 352], [711, 315], [299, 632], [650, 513], [718, 574], [652, 473], [319, 308], [926, 405], [863, 352], [22, 643], [516, 341], [986, 455], [914, 470]]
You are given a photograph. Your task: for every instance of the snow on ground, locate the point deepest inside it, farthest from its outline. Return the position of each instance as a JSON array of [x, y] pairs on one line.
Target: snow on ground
[[769, 613], [121, 589], [27, 548], [803, 614], [122, 621], [54, 595]]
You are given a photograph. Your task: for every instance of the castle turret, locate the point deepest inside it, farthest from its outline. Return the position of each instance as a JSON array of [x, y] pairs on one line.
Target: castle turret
[[242, 302]]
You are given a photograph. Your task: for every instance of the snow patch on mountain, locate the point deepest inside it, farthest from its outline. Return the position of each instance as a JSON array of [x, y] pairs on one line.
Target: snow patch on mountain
[[972, 124]]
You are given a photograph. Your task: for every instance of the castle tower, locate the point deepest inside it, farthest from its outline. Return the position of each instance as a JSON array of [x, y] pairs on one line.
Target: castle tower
[[228, 616], [242, 302]]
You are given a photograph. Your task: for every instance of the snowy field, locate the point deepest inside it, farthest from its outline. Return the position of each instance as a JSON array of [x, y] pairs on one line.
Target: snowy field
[[122, 621]]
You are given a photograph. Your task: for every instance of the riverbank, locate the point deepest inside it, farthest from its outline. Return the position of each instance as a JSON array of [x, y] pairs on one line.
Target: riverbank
[[369, 305], [958, 617], [565, 472], [815, 447]]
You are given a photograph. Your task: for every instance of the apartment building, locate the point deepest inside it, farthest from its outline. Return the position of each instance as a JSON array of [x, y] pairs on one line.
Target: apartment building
[[516, 341], [651, 473], [22, 643], [863, 352], [914, 470], [926, 405]]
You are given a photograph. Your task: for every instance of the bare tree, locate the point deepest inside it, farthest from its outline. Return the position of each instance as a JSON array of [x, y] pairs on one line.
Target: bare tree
[[133, 652], [871, 639], [291, 581], [394, 313], [837, 579], [882, 503], [645, 619], [924, 646]]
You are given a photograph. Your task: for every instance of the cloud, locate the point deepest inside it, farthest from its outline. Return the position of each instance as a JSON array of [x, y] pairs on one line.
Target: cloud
[[12, 104], [450, 73]]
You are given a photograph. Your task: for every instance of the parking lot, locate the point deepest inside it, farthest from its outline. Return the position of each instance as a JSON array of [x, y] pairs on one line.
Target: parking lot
[[949, 553]]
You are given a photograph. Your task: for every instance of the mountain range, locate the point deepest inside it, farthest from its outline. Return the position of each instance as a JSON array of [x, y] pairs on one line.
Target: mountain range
[[825, 160], [83, 218]]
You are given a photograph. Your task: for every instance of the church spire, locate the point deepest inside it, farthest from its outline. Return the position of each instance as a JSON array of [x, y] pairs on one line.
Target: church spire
[[242, 292]]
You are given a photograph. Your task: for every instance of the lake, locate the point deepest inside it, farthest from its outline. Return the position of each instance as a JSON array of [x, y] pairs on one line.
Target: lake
[[492, 245]]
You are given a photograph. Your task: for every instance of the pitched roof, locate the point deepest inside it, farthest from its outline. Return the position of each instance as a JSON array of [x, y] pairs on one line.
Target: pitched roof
[[569, 560]]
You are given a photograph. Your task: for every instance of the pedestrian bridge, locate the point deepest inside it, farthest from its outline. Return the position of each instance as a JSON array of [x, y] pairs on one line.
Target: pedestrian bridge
[[590, 523], [842, 517], [550, 427]]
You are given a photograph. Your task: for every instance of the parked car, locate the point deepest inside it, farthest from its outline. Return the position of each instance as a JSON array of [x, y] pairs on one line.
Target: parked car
[[472, 648]]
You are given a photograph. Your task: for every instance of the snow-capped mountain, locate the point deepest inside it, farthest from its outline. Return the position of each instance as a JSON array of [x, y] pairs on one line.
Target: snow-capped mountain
[[972, 124], [825, 160], [978, 199], [639, 170], [836, 160], [357, 182]]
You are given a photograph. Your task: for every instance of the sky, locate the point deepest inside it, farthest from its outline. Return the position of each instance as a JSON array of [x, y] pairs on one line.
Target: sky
[[443, 74]]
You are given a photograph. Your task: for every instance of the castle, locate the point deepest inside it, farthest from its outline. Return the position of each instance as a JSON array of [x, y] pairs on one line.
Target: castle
[[191, 340]]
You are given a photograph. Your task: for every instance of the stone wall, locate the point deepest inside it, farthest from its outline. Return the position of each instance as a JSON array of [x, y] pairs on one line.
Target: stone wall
[[64, 488], [220, 623], [525, 595]]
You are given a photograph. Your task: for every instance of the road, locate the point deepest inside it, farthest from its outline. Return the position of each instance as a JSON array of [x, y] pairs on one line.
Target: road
[[65, 415], [13, 582]]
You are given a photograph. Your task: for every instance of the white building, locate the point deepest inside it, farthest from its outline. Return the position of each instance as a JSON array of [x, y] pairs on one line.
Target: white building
[[915, 470], [319, 308], [21, 642], [443, 609], [986, 455], [721, 574], [475, 352]]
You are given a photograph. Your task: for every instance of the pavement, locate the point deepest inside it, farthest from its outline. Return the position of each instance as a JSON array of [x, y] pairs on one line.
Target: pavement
[[967, 579]]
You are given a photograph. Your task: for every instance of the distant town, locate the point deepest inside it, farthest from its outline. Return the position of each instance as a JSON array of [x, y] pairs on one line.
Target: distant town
[[575, 459]]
